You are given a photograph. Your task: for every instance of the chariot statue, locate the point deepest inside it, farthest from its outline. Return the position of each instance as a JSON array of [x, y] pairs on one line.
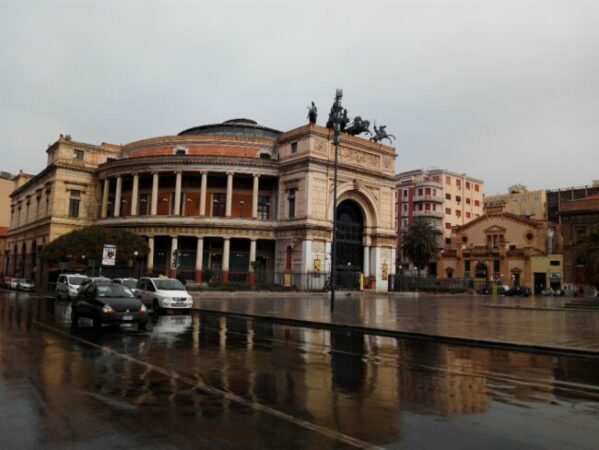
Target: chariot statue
[[359, 126]]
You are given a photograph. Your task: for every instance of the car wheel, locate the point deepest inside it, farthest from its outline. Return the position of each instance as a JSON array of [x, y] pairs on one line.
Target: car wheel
[[156, 306]]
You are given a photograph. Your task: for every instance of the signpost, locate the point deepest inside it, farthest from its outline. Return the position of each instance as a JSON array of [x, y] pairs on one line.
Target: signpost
[[109, 255]]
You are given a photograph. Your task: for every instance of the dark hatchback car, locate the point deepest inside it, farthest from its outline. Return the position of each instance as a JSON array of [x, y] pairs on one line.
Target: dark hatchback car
[[110, 303], [518, 291]]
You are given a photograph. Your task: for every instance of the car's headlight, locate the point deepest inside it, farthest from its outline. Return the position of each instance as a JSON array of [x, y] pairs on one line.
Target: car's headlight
[[107, 309]]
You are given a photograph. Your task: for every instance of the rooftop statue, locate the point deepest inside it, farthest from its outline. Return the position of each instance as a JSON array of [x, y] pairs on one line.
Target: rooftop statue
[[380, 133], [359, 126], [312, 113], [337, 114]]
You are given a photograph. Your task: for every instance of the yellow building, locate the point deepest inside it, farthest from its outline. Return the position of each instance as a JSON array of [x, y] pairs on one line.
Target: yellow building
[[505, 248], [520, 201]]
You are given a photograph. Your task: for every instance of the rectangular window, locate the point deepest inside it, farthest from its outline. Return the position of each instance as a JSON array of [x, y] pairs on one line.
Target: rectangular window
[[427, 191], [427, 206], [79, 154], [294, 147], [447, 226], [419, 191], [458, 198], [476, 202], [476, 187], [447, 196], [467, 265], [447, 180], [458, 183], [219, 204], [448, 241], [264, 207], [468, 201], [404, 207], [404, 223], [291, 204], [405, 193], [74, 203], [467, 184], [468, 215], [458, 213], [419, 206], [437, 178], [447, 210]]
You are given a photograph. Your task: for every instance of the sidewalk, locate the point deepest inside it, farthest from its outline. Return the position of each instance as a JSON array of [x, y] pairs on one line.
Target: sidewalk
[[540, 324]]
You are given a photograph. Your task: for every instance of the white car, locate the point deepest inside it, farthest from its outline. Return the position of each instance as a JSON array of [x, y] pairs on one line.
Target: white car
[[163, 293], [131, 283], [67, 285], [14, 283], [25, 285]]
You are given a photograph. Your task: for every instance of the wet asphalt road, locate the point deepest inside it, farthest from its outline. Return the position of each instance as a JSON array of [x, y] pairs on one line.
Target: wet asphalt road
[[206, 381]]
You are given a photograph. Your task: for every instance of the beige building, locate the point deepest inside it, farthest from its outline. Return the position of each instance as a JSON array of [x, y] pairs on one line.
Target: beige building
[[6, 187], [59, 199], [506, 248], [235, 201], [520, 201]]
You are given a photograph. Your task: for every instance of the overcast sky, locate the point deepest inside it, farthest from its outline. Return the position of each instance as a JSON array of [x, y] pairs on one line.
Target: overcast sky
[[506, 91]]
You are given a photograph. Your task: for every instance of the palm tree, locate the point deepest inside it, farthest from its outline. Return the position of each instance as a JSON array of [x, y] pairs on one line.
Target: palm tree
[[419, 244]]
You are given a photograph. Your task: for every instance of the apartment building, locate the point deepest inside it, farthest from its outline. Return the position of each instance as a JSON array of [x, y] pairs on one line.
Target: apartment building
[[446, 199], [520, 202]]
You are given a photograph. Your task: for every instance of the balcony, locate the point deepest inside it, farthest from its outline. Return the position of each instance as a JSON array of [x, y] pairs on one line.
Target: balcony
[[428, 198], [431, 184], [435, 214]]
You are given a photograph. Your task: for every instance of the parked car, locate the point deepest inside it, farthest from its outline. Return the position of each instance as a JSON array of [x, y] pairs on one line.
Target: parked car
[[110, 303], [95, 280], [518, 291], [14, 283], [67, 285], [163, 293], [131, 283], [25, 285], [547, 292]]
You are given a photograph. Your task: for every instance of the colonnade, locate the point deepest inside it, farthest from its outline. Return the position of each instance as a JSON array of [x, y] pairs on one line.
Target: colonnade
[[177, 208]]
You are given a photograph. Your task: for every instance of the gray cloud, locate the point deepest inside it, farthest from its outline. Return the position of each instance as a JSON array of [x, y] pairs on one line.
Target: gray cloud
[[506, 91]]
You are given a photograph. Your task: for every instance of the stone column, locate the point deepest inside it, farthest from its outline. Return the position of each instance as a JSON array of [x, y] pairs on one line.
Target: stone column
[[172, 273], [154, 202], [376, 269], [177, 206], [366, 268], [135, 195], [251, 272], [306, 262], [229, 194], [105, 197], [150, 260], [199, 260], [117, 196], [203, 189], [226, 254], [255, 194]]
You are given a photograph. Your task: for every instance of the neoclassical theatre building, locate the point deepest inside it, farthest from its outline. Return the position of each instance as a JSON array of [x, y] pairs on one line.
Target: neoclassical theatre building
[[235, 201]]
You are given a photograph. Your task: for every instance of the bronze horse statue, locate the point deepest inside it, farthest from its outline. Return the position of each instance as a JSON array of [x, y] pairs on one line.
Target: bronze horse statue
[[381, 133], [359, 126]]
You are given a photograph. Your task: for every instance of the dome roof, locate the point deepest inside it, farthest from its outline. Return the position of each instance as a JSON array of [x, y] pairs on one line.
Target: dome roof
[[234, 127]]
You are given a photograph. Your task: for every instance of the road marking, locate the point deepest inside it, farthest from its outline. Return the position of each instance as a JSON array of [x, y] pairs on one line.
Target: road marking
[[346, 439]]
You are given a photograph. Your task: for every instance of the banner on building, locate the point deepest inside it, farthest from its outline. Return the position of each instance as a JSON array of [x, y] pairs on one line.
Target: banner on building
[[109, 255]]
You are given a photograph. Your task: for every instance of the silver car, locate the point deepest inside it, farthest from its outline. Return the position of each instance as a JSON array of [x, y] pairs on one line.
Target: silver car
[[67, 285], [25, 285]]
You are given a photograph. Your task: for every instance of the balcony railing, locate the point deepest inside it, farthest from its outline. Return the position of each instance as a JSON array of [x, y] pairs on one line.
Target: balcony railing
[[428, 198], [436, 214]]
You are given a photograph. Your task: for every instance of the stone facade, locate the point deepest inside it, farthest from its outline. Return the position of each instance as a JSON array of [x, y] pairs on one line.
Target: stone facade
[[578, 219], [231, 201], [506, 248]]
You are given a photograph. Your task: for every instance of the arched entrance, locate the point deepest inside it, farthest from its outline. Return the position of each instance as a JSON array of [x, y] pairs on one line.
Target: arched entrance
[[349, 259]]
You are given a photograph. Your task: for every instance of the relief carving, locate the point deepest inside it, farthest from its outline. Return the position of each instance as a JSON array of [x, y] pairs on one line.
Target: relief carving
[[360, 158], [387, 162]]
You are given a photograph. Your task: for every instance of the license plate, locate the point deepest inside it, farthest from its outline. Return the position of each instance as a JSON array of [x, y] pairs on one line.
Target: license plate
[[127, 317]]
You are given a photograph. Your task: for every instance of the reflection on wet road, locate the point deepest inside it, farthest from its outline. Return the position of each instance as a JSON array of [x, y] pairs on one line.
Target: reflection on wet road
[[207, 381]]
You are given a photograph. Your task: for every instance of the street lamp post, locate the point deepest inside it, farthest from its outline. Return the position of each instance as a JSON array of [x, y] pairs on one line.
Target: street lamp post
[[335, 118]]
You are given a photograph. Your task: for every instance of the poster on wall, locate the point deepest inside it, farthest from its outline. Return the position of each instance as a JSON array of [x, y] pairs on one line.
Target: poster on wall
[[109, 255]]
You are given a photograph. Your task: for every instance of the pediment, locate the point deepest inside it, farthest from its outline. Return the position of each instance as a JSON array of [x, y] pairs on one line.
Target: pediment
[[495, 229]]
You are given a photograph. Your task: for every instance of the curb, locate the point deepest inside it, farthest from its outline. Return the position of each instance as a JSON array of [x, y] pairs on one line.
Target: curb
[[510, 346]]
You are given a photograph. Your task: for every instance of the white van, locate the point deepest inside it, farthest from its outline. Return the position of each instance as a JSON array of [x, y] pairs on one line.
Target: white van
[[67, 285]]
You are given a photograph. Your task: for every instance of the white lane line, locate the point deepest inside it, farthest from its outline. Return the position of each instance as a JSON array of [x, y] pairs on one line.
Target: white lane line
[[354, 442]]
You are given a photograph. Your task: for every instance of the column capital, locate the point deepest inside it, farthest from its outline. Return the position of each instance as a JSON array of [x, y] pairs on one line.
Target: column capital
[[203, 172], [257, 175], [230, 173]]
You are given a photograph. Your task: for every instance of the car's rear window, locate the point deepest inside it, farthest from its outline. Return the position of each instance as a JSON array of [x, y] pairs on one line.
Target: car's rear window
[[113, 290], [76, 280], [169, 285]]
